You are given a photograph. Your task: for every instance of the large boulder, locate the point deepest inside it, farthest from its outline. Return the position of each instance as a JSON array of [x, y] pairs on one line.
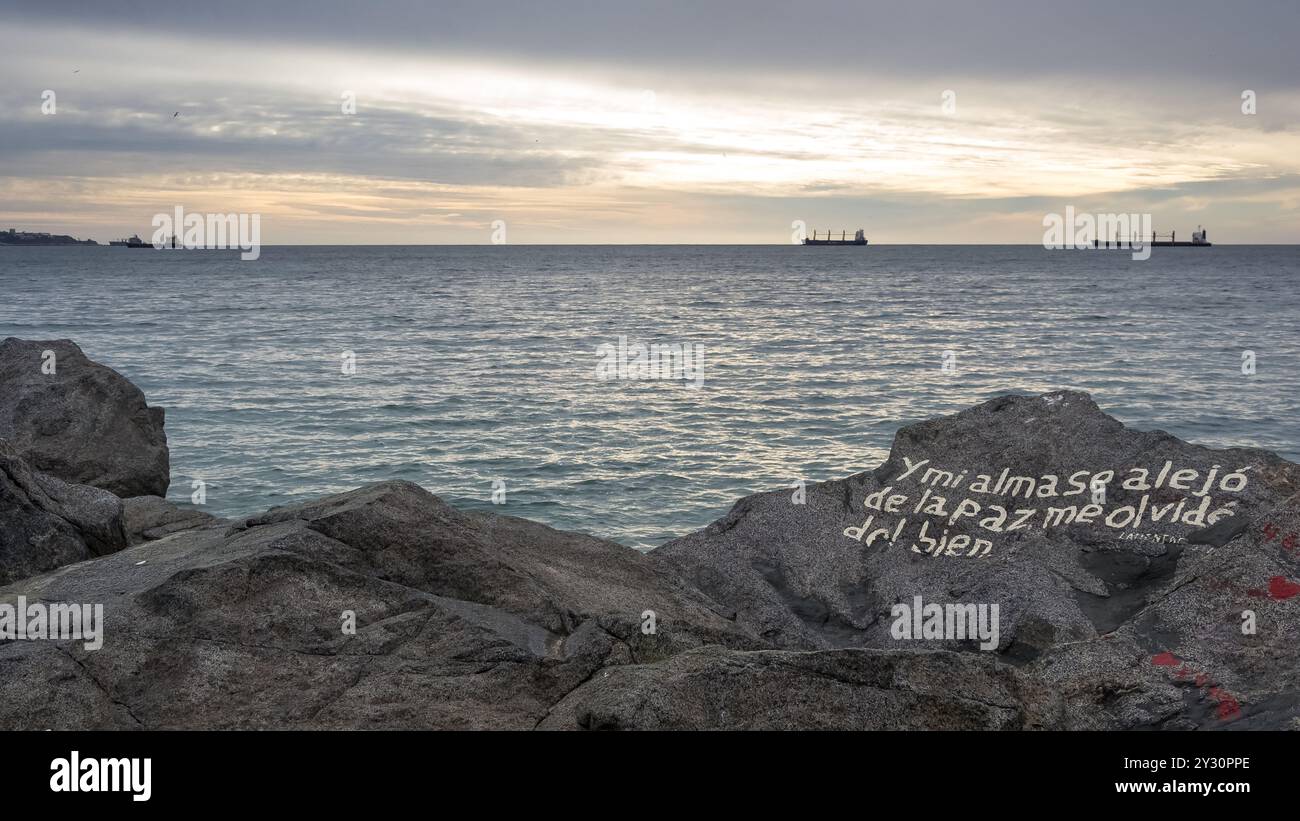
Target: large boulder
[[46, 523], [80, 421], [462, 620], [1127, 566]]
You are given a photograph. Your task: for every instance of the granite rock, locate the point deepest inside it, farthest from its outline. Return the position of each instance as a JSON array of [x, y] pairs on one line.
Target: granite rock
[[80, 421], [1164, 562], [46, 523], [462, 620]]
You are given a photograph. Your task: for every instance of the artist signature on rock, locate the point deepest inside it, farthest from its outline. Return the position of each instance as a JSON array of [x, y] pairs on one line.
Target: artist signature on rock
[[1163, 538]]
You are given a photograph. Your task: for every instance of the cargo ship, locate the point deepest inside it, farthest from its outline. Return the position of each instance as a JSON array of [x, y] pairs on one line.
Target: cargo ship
[[134, 241], [1200, 239], [859, 238]]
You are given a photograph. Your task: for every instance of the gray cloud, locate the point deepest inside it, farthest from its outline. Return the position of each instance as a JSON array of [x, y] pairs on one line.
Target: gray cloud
[[1198, 40], [263, 134]]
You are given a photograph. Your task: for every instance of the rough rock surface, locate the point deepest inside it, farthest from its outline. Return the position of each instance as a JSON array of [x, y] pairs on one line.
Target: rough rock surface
[[1140, 623], [46, 523], [152, 517], [780, 615], [715, 688], [463, 620], [84, 423]]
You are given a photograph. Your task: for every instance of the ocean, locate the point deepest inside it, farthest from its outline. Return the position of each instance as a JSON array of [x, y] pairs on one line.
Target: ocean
[[474, 369]]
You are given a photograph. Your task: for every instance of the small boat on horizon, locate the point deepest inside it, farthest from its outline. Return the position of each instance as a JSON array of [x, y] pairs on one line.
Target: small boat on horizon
[[859, 238]]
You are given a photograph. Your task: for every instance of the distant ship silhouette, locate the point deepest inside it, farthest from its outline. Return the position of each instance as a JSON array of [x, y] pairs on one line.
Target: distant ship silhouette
[[1200, 239], [859, 238], [135, 242]]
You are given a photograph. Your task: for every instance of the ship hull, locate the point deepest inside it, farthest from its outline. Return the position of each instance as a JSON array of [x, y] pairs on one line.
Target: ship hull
[[1131, 246]]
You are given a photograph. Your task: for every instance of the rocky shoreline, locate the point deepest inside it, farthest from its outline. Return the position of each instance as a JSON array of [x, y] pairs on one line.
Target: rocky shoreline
[[1137, 581]]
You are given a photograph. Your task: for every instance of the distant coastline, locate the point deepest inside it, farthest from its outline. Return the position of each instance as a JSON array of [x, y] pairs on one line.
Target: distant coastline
[[15, 237]]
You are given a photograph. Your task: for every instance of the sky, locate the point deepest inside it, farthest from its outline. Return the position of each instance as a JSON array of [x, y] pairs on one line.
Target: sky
[[650, 122]]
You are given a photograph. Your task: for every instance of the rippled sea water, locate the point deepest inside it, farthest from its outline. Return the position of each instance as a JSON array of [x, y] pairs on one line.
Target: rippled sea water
[[480, 363]]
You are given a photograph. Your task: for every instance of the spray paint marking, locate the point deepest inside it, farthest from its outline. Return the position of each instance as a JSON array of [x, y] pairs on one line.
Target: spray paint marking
[[1282, 588], [1227, 705], [1290, 542]]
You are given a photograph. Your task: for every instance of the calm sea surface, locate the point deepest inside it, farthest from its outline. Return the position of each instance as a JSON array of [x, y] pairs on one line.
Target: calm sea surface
[[476, 364]]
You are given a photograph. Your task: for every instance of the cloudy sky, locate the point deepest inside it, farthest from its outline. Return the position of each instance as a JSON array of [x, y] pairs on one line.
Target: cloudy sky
[[647, 121]]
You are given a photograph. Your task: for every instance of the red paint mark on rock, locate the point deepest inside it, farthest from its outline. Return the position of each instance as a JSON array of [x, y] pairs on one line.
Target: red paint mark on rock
[[1290, 541], [1229, 707], [1282, 588]]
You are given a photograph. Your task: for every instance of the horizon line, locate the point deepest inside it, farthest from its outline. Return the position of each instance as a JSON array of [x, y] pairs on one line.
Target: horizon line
[[82, 244]]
